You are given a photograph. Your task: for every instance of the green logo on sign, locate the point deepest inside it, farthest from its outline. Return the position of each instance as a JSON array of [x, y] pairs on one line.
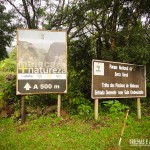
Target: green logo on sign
[[98, 68]]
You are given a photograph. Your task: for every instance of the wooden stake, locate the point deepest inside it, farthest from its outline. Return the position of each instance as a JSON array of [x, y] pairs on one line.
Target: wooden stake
[[58, 105], [139, 108], [22, 110], [96, 109], [124, 125]]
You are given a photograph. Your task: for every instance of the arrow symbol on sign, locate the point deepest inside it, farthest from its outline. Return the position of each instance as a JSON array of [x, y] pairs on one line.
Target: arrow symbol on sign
[[27, 86]]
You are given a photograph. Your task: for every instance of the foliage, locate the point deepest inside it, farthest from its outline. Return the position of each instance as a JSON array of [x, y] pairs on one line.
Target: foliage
[[85, 111], [8, 89], [8, 78], [41, 100], [80, 56], [8, 65], [78, 104], [6, 30], [115, 107]]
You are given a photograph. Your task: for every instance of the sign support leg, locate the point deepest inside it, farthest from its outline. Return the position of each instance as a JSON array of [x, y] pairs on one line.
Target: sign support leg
[[96, 109], [139, 108], [58, 105], [22, 110]]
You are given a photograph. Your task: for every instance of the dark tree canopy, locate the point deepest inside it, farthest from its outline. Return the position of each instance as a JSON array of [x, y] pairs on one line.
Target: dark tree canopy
[[6, 30]]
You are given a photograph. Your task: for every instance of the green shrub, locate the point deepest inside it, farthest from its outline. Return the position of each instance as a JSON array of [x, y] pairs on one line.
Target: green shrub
[[77, 104], [8, 65], [85, 111], [41, 100], [114, 107], [8, 79]]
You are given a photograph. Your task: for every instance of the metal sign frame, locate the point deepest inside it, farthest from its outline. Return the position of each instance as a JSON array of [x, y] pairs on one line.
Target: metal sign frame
[[41, 62], [117, 80]]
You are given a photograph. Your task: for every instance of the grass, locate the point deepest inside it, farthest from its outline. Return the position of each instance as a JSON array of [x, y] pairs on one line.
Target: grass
[[72, 133]]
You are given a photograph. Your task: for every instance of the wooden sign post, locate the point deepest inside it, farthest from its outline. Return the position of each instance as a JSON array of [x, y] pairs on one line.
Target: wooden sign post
[[139, 108], [96, 109], [58, 105], [22, 110]]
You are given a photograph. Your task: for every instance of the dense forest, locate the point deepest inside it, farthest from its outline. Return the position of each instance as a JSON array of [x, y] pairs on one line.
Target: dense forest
[[113, 30]]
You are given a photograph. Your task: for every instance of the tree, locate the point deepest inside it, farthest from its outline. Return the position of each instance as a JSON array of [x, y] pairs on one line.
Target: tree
[[33, 13], [110, 23], [27, 12], [115, 28], [6, 30]]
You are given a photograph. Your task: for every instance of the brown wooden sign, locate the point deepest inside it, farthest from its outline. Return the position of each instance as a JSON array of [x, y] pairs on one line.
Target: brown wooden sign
[[117, 80]]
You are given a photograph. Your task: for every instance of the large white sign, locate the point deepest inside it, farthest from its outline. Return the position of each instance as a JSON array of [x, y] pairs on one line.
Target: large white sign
[[41, 61]]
